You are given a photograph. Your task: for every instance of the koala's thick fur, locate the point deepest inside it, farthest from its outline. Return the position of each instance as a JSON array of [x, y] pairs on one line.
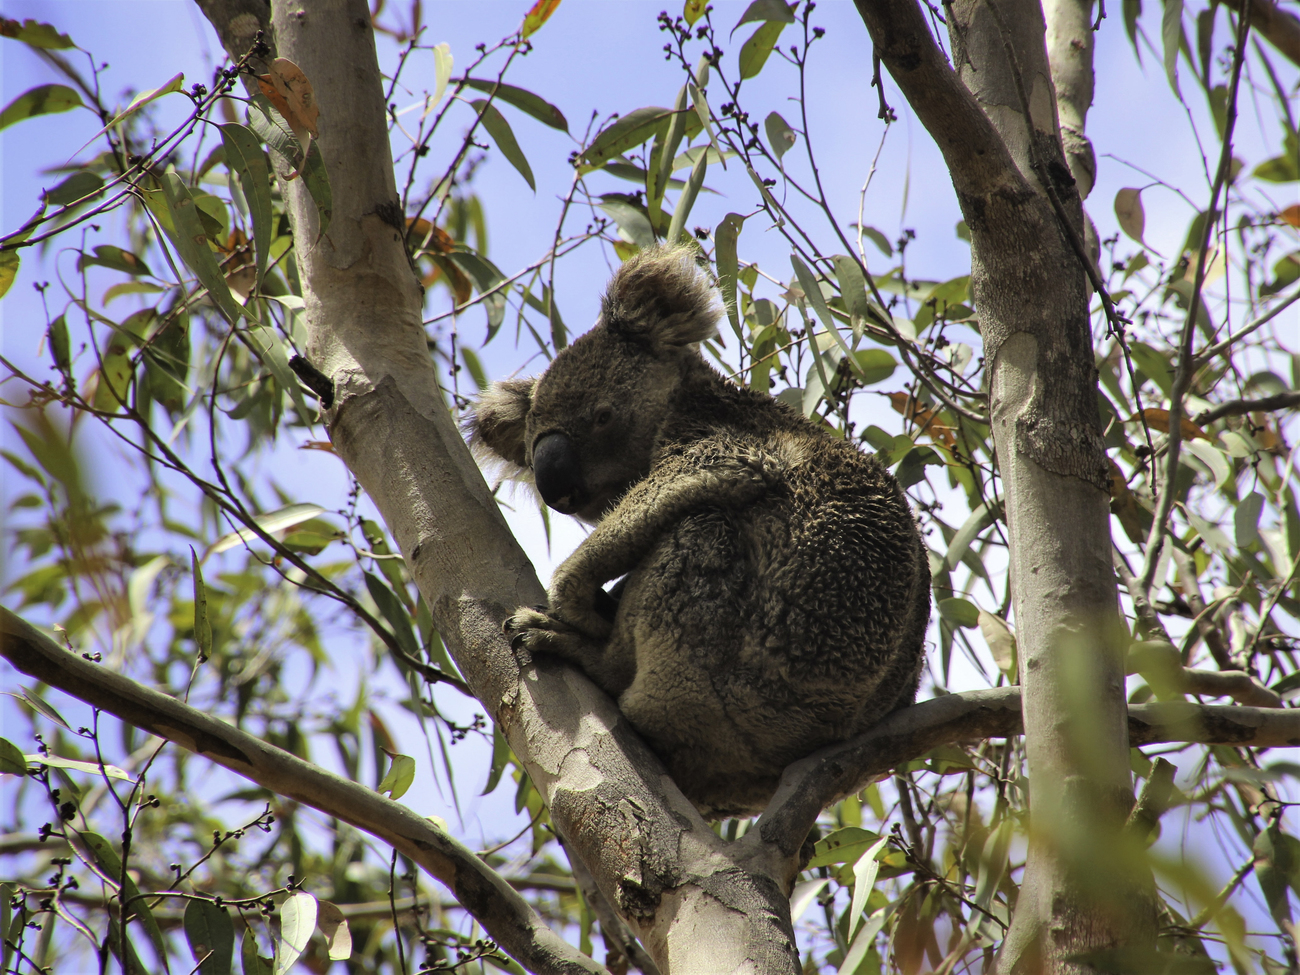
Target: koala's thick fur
[[777, 591]]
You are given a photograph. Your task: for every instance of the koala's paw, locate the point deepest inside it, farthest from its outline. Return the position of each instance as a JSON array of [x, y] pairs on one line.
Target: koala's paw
[[535, 631]]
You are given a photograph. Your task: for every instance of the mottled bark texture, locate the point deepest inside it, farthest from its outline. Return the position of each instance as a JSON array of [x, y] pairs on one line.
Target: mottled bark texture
[[995, 120], [698, 903]]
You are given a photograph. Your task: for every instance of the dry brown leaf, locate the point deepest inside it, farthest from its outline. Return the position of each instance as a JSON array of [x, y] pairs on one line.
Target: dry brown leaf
[[426, 236], [297, 101], [1291, 215], [926, 419], [324, 445], [1159, 420]]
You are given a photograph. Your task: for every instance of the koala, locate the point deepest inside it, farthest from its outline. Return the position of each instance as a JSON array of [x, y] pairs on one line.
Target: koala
[[774, 591]]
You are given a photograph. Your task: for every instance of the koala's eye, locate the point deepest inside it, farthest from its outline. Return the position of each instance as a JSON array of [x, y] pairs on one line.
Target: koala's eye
[[603, 418]]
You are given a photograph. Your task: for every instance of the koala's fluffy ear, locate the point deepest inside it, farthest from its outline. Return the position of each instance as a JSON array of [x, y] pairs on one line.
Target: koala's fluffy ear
[[496, 425], [660, 295]]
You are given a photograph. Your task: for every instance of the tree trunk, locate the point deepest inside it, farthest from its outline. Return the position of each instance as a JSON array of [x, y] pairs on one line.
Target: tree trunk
[[1085, 888], [698, 903]]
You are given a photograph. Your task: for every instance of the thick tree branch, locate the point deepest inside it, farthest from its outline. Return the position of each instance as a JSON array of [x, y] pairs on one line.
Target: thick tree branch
[[976, 156], [504, 914], [807, 787], [813, 783]]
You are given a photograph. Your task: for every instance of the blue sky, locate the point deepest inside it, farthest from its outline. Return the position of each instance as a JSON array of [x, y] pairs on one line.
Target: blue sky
[[603, 57]]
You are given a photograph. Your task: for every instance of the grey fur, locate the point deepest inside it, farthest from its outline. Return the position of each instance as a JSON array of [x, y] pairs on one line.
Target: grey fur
[[777, 591]]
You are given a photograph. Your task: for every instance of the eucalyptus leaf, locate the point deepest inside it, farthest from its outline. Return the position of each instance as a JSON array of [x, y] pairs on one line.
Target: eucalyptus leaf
[[504, 137]]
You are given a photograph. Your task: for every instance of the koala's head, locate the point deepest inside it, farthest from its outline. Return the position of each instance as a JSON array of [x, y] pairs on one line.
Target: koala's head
[[585, 430]]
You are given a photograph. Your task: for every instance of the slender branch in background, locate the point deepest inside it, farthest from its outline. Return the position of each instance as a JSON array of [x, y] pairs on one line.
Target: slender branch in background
[[1186, 362], [1219, 348], [504, 914], [1238, 407], [1167, 668]]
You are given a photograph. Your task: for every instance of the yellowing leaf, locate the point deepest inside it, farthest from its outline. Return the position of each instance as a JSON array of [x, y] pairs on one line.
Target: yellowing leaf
[[400, 776], [1129, 212], [538, 14]]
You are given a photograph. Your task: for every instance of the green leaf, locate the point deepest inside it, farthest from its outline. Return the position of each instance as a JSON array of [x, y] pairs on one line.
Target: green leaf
[[1246, 519], [250, 960], [520, 98], [693, 10], [9, 264], [873, 365], [273, 130], [191, 241], [625, 133], [677, 228], [211, 935], [500, 758], [37, 704], [1171, 34], [392, 610], [725, 236], [756, 50], [1212, 457], [634, 226], [76, 765], [766, 10], [1286, 167], [961, 612], [35, 34], [334, 926], [399, 778], [979, 519], [76, 187], [864, 878], [297, 922], [202, 626], [853, 291], [12, 761], [499, 129], [41, 100], [115, 259], [842, 846], [111, 864], [879, 239], [244, 155], [779, 134], [270, 349], [704, 113], [1129, 212], [663, 153], [272, 521], [317, 181]]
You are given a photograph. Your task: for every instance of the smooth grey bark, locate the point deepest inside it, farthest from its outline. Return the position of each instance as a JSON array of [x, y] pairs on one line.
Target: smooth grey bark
[[995, 120], [698, 903]]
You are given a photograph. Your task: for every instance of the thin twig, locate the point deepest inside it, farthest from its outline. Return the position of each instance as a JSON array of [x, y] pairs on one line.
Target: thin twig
[[1186, 364]]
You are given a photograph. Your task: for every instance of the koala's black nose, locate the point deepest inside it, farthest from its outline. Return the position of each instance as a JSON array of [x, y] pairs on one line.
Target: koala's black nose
[[558, 473]]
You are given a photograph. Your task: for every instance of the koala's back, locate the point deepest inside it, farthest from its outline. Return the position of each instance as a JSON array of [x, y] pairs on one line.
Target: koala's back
[[763, 632]]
